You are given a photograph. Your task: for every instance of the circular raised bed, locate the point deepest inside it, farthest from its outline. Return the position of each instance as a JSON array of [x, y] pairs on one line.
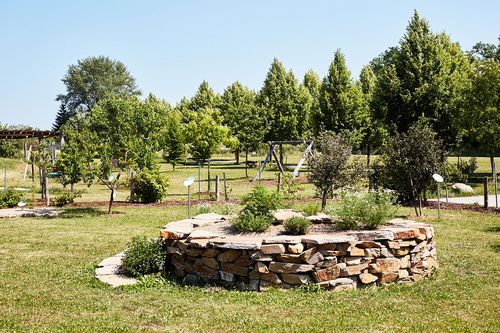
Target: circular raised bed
[[206, 249]]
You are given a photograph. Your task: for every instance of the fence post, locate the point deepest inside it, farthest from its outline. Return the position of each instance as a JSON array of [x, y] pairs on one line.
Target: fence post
[[217, 196], [225, 187], [485, 185]]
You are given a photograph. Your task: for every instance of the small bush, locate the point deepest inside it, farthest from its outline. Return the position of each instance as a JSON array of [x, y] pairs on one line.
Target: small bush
[[297, 225], [253, 223], [148, 187], [311, 209], [9, 198], [144, 256], [257, 215], [66, 198], [460, 172], [261, 201], [290, 187], [364, 211]]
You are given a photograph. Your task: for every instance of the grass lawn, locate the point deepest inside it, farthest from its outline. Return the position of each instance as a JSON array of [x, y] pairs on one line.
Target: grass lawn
[[47, 284]]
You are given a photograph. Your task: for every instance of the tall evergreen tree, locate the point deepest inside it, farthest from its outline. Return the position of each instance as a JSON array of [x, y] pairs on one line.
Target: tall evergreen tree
[[283, 101], [341, 103], [205, 97], [312, 83], [424, 77]]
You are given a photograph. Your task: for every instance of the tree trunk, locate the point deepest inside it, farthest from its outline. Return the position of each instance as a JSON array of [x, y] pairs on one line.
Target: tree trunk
[[237, 156], [46, 188], [111, 199], [72, 187], [32, 172], [492, 160], [368, 153], [246, 163], [323, 200]]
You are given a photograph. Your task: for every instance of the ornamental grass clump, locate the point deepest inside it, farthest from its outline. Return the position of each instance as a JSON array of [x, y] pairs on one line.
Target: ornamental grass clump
[[144, 256], [364, 210], [297, 225], [256, 215]]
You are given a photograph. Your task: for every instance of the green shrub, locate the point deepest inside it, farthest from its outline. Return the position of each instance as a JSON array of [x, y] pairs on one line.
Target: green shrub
[[364, 211], [297, 225], [66, 198], [261, 201], [460, 172], [144, 256], [9, 198], [148, 187], [290, 187], [311, 209], [253, 223], [256, 215]]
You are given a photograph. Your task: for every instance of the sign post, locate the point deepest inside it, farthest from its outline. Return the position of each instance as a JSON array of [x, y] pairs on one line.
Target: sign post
[[188, 182], [439, 179]]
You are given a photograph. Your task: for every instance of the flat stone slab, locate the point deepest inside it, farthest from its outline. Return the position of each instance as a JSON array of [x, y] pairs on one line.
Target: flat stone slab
[[282, 239], [109, 271], [372, 235], [328, 239], [177, 230], [210, 216], [236, 243], [319, 218], [116, 280], [30, 212], [202, 234], [284, 214]]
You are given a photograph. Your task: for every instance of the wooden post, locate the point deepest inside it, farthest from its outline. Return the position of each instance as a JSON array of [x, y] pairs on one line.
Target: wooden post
[[495, 181], [5, 178], [46, 187], [485, 185], [217, 195], [225, 187], [199, 180], [279, 182], [208, 177]]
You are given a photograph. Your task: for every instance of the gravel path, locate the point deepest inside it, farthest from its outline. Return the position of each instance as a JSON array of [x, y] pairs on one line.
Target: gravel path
[[476, 199]]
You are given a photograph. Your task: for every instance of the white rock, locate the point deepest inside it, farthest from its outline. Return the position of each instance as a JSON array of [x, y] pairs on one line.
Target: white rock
[[462, 188]]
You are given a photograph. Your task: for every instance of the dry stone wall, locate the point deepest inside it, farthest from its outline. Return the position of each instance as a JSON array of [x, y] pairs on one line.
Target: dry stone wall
[[403, 251]]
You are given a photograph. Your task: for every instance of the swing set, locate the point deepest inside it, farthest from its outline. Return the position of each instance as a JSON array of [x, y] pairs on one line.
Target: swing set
[[272, 153]]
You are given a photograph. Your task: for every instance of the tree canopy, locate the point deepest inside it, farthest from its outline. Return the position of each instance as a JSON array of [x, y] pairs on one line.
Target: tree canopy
[[91, 80]]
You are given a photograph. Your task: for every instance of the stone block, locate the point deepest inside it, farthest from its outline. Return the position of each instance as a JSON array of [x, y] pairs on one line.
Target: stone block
[[304, 256], [194, 252], [235, 243], [272, 248], [261, 268], [291, 258], [226, 276], [206, 273], [282, 239], [296, 279], [282, 267], [296, 248], [368, 245], [356, 252], [271, 277], [326, 274], [315, 258], [367, 278], [246, 262], [373, 235], [210, 253], [202, 234], [228, 256], [353, 270], [234, 269], [403, 274], [372, 253], [385, 265], [327, 239], [388, 277], [206, 261], [259, 256]]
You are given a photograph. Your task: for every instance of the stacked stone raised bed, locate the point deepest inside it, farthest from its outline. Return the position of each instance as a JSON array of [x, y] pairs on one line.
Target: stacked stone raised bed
[[403, 251]]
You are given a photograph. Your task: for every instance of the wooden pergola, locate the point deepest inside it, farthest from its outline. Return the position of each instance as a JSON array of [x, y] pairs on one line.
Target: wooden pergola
[[24, 134]]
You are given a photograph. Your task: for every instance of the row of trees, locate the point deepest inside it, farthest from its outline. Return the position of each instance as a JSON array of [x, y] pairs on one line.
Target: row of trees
[[426, 76]]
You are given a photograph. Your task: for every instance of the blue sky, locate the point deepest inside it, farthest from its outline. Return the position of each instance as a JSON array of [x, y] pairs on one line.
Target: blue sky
[[171, 46]]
